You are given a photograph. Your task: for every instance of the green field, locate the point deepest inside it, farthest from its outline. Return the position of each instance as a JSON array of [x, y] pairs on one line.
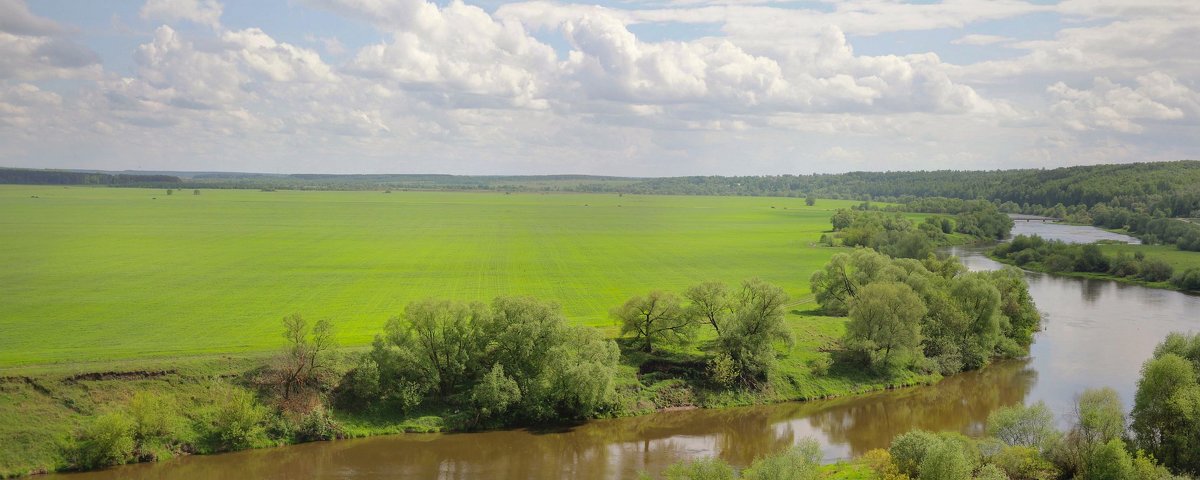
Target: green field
[[105, 273], [1180, 259]]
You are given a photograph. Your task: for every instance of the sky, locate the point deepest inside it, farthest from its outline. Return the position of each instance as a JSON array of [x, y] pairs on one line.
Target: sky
[[625, 87]]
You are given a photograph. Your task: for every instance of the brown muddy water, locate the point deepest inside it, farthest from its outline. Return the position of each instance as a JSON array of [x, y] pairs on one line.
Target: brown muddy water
[[1096, 333]]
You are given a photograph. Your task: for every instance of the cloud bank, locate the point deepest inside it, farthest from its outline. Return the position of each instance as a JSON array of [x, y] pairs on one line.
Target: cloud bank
[[656, 88]]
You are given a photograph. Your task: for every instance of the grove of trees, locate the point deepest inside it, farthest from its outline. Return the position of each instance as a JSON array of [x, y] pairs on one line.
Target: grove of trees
[[929, 314]]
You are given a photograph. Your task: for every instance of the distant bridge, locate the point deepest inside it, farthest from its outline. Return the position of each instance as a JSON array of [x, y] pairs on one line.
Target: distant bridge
[[1032, 218]]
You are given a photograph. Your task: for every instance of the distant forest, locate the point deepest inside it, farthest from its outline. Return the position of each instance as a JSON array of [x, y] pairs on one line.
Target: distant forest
[[1172, 188]]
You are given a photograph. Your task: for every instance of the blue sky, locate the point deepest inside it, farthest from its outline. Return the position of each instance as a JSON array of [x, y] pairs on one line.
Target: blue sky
[[666, 87]]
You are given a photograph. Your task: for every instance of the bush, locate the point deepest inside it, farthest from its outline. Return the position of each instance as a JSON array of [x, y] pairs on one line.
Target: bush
[[1018, 425], [700, 469], [1109, 462], [1024, 463], [880, 462], [1156, 271], [991, 472], [318, 425], [159, 429], [820, 366], [359, 388], [908, 451], [1188, 279], [722, 371], [234, 421], [800, 462], [949, 458], [494, 394], [106, 441]]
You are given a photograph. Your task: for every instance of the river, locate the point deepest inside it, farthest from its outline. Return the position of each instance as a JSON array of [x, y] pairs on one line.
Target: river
[[1096, 333]]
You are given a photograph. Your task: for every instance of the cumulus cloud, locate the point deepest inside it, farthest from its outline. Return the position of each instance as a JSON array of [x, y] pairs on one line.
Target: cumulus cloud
[[33, 48], [458, 48], [542, 86], [200, 12], [1108, 105]]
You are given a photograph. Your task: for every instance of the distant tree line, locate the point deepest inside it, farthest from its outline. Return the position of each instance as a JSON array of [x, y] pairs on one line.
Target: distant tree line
[[1032, 251], [62, 177]]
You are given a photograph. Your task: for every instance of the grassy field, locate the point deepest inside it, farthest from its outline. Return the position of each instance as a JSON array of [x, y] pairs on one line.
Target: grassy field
[[107, 292], [94, 274], [1180, 259]]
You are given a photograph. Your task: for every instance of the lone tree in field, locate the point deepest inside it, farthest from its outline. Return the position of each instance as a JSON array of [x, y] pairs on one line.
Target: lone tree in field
[[710, 302], [306, 362], [656, 318], [810, 200]]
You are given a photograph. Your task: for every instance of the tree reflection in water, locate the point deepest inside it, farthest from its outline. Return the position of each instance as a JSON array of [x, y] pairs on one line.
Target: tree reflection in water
[[621, 448]]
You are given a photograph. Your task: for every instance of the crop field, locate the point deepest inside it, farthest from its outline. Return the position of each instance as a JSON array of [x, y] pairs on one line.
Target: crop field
[[92, 274]]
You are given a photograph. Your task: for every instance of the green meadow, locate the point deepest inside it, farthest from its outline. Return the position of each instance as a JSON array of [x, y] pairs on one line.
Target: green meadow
[[98, 274]]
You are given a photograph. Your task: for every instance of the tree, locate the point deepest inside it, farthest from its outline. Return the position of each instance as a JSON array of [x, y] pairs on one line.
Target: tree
[[841, 220], [1099, 416], [885, 322], [561, 371], [1166, 410], [1110, 461], [494, 393], [810, 200], [305, 364], [756, 326], [1019, 425], [440, 336], [657, 318], [710, 302], [979, 300]]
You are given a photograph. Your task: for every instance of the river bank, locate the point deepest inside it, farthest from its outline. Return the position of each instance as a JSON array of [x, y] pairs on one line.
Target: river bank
[[42, 405]]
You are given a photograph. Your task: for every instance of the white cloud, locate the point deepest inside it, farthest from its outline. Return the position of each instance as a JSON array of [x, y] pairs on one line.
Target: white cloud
[[34, 48], [200, 12], [1111, 106], [980, 40], [763, 88], [459, 49]]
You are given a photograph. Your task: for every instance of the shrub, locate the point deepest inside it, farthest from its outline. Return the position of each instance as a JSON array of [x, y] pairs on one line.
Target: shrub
[[1156, 271], [908, 451], [700, 469], [318, 425], [800, 462], [949, 458], [721, 370], [1109, 462], [820, 366], [1024, 463], [106, 441], [359, 388], [494, 394], [991, 472], [1188, 279], [880, 462], [234, 421], [1030, 426]]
